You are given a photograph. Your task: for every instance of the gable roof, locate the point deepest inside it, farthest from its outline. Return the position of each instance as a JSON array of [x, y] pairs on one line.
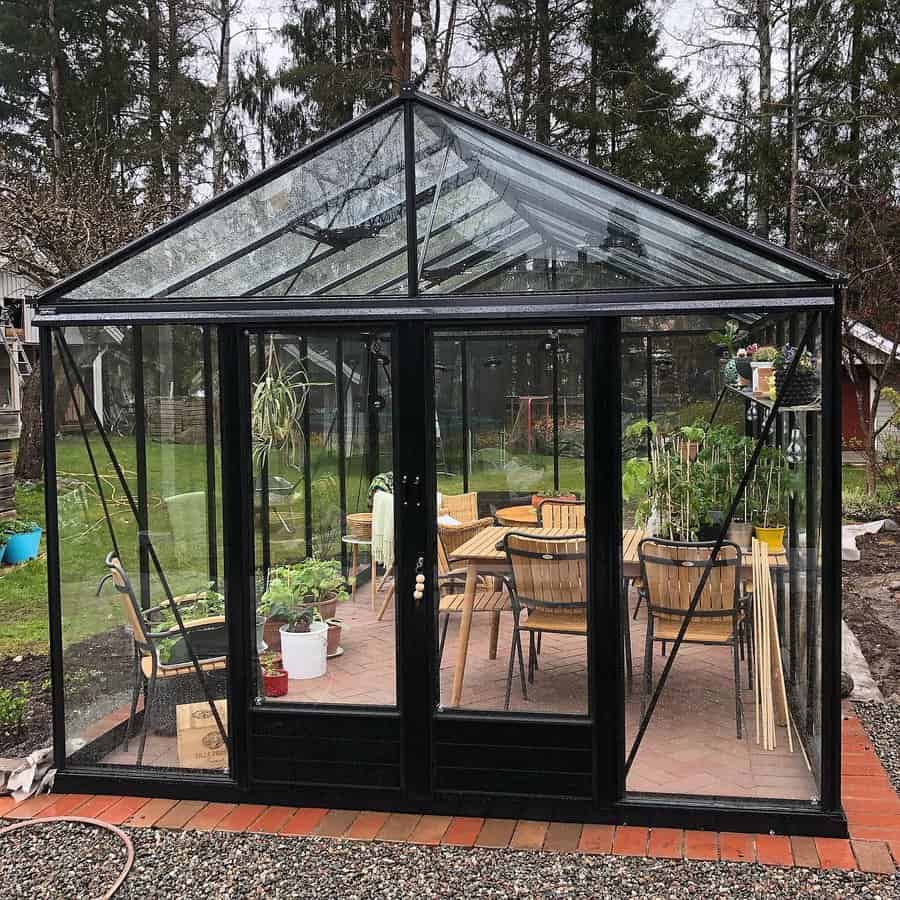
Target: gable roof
[[494, 213]]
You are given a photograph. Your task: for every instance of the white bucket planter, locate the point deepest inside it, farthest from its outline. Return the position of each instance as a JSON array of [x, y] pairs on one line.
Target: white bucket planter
[[303, 655]]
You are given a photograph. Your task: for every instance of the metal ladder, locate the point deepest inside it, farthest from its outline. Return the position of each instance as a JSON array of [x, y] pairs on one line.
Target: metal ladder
[[13, 345]]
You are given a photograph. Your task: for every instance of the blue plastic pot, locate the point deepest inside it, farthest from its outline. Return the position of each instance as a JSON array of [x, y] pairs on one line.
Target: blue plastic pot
[[22, 547]]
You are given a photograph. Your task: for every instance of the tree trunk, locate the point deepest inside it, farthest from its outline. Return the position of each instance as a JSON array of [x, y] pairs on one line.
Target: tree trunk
[[154, 102], [593, 132], [448, 49], [173, 144], [794, 128], [57, 141], [764, 145], [30, 461], [401, 38], [431, 75], [220, 101], [544, 87]]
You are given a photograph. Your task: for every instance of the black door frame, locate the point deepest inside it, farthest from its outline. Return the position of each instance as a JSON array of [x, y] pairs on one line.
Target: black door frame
[[605, 740]]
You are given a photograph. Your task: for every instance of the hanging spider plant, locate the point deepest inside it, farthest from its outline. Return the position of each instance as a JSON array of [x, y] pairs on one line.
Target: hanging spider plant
[[279, 400]]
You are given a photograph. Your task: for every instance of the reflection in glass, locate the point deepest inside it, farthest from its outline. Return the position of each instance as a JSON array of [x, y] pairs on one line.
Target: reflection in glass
[[322, 410], [687, 439], [139, 679], [509, 448]]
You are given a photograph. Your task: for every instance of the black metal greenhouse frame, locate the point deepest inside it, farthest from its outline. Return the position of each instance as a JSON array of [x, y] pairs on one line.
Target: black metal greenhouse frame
[[417, 738]]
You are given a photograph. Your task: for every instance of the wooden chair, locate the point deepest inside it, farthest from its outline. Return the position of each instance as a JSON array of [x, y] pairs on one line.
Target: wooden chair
[[452, 594], [549, 583], [148, 667], [671, 572], [455, 536], [561, 514], [463, 507]]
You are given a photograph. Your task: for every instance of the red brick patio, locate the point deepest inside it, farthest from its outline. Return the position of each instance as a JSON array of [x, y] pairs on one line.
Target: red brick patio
[[873, 811]]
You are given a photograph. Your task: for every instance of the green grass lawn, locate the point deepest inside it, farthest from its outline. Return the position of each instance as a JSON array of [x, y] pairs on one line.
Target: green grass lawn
[[180, 468]]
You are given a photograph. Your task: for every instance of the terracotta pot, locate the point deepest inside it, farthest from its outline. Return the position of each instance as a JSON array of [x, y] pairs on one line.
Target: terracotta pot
[[271, 633], [275, 685], [328, 609], [334, 636]]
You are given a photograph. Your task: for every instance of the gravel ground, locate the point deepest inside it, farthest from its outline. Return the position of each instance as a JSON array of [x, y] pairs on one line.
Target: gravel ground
[[199, 865], [882, 722]]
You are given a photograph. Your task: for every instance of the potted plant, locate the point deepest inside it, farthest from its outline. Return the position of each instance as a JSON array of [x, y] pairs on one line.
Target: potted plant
[[762, 366], [334, 647], [772, 485], [303, 644], [803, 388], [275, 678], [22, 538], [743, 360]]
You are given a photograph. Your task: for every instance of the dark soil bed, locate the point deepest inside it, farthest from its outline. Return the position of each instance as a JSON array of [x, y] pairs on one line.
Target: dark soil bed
[[94, 667], [872, 607]]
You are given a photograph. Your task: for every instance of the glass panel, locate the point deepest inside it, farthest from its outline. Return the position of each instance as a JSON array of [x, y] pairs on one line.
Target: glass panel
[[711, 732], [322, 414], [509, 432], [124, 644], [542, 227], [309, 228]]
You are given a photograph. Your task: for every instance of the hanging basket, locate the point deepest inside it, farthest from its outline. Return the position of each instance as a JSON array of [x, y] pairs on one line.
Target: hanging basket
[[802, 390], [360, 525]]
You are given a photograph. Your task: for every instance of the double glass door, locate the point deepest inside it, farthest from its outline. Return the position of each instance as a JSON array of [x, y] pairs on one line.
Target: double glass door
[[421, 561]]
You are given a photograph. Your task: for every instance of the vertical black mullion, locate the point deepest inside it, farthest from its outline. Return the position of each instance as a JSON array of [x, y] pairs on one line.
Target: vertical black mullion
[[209, 405], [464, 399], [831, 555], [793, 544], [409, 166], [237, 538], [812, 565], [648, 380], [341, 442], [140, 450], [54, 597], [307, 462], [371, 412], [555, 409], [415, 537], [603, 467], [264, 468]]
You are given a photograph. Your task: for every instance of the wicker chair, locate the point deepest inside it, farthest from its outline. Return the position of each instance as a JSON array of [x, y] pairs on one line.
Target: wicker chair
[[671, 572], [561, 514], [148, 667], [549, 582], [463, 507]]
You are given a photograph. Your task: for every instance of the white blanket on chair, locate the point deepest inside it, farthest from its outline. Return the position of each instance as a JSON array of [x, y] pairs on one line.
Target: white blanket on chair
[[383, 528]]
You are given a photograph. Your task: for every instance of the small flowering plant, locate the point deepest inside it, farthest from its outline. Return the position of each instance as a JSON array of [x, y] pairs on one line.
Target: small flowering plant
[[785, 356], [747, 351]]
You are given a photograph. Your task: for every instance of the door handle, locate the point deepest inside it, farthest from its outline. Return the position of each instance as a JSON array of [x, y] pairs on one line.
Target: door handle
[[419, 589]]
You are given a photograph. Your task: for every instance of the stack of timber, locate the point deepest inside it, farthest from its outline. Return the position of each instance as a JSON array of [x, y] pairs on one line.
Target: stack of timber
[[9, 430], [770, 695], [176, 420]]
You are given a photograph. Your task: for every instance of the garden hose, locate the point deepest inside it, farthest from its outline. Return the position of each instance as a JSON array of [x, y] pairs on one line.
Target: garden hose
[[129, 846]]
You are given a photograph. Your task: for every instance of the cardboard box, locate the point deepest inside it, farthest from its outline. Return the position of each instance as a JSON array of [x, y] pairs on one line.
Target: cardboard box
[[200, 745]]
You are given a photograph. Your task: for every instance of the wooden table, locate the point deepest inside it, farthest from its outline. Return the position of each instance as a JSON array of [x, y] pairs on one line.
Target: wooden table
[[480, 554], [517, 515], [631, 566]]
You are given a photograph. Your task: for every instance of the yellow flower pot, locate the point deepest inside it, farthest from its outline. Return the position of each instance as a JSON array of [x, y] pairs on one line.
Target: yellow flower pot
[[774, 537]]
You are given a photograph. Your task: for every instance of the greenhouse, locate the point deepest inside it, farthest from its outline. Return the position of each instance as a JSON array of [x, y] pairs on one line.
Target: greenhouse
[[432, 470]]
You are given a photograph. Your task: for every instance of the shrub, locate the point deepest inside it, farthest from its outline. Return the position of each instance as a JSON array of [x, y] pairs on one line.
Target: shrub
[[866, 507], [14, 704]]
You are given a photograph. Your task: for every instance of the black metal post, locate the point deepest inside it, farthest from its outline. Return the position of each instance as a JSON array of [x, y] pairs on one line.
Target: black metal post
[[793, 545], [648, 380], [812, 570], [140, 450], [51, 525], [237, 539], [603, 515], [409, 163], [210, 410], [307, 462], [555, 408], [464, 399], [371, 411], [831, 555], [341, 441], [264, 524]]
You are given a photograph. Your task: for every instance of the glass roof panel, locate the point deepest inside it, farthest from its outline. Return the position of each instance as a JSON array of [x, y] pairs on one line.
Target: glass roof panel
[[309, 226], [545, 227]]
